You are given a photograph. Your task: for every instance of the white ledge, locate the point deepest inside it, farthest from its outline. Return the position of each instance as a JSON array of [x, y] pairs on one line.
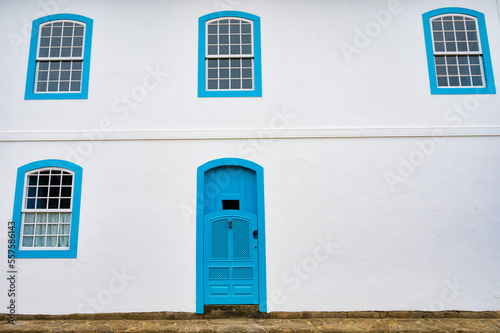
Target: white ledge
[[265, 133]]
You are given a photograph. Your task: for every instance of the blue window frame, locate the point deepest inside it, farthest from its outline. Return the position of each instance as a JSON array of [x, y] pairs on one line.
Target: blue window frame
[[47, 209], [59, 57], [229, 61], [458, 54]]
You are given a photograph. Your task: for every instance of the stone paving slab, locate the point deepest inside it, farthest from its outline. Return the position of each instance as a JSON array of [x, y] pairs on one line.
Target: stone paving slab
[[407, 325]]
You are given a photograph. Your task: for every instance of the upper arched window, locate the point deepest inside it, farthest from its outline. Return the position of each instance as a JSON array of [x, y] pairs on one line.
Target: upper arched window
[[59, 57], [229, 55], [458, 52]]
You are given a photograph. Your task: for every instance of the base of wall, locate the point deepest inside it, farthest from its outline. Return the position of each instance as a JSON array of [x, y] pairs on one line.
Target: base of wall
[[252, 311]]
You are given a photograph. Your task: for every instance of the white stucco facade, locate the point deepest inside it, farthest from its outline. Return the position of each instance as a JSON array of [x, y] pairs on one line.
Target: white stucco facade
[[378, 194]]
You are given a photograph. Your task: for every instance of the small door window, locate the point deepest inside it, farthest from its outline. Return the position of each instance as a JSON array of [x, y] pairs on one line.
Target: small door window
[[230, 204]]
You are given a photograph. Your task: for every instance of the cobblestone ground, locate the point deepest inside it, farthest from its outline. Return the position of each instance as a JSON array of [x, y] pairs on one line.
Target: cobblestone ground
[[441, 325]]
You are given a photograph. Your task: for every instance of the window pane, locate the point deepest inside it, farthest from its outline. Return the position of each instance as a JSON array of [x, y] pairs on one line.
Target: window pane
[[30, 203], [224, 84], [235, 73], [54, 203], [67, 180], [40, 241], [223, 49], [28, 241], [247, 84], [461, 36], [64, 229], [41, 203], [29, 217], [75, 86], [52, 229], [477, 81], [212, 39], [223, 29], [56, 31], [31, 192], [470, 25], [66, 52], [29, 229], [212, 73], [53, 86], [40, 229], [65, 217], [65, 203], [212, 28], [77, 52], [442, 81], [53, 217], [212, 50], [459, 25], [63, 241], [246, 63], [450, 47], [454, 81], [246, 28], [41, 218], [465, 81], [43, 191], [235, 84], [212, 84], [78, 31], [43, 52], [52, 241], [235, 49], [475, 70], [474, 46]]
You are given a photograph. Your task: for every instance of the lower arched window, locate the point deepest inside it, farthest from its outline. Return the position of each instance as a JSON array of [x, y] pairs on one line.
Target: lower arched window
[[46, 209]]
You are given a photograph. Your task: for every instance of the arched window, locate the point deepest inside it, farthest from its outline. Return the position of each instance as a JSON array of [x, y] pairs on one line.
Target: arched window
[[229, 55], [46, 211], [59, 57], [457, 52]]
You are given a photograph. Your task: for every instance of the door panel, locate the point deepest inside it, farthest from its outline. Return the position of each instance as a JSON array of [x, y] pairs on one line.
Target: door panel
[[231, 264]]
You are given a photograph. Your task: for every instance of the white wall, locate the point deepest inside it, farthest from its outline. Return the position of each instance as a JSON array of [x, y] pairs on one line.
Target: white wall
[[403, 186]]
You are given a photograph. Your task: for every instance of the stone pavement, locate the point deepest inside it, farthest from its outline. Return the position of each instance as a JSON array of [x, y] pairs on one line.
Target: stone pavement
[[228, 320]]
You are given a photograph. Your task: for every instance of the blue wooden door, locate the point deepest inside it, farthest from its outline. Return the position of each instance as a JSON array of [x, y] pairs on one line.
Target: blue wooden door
[[231, 260]]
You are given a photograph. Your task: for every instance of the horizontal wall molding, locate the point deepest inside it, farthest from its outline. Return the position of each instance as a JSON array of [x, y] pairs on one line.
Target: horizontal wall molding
[[266, 133]]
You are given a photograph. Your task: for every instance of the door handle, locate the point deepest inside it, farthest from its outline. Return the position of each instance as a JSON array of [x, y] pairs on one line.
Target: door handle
[[255, 234], [230, 224]]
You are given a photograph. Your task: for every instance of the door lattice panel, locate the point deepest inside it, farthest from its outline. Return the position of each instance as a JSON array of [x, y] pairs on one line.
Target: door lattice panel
[[241, 239], [218, 273], [243, 273], [219, 239]]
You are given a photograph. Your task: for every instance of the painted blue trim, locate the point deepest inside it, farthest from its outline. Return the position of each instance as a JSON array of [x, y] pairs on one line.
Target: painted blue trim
[[200, 205], [488, 68], [257, 62], [31, 73], [75, 215]]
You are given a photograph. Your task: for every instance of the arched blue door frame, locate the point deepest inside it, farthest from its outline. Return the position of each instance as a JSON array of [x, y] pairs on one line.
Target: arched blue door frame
[[199, 227]]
